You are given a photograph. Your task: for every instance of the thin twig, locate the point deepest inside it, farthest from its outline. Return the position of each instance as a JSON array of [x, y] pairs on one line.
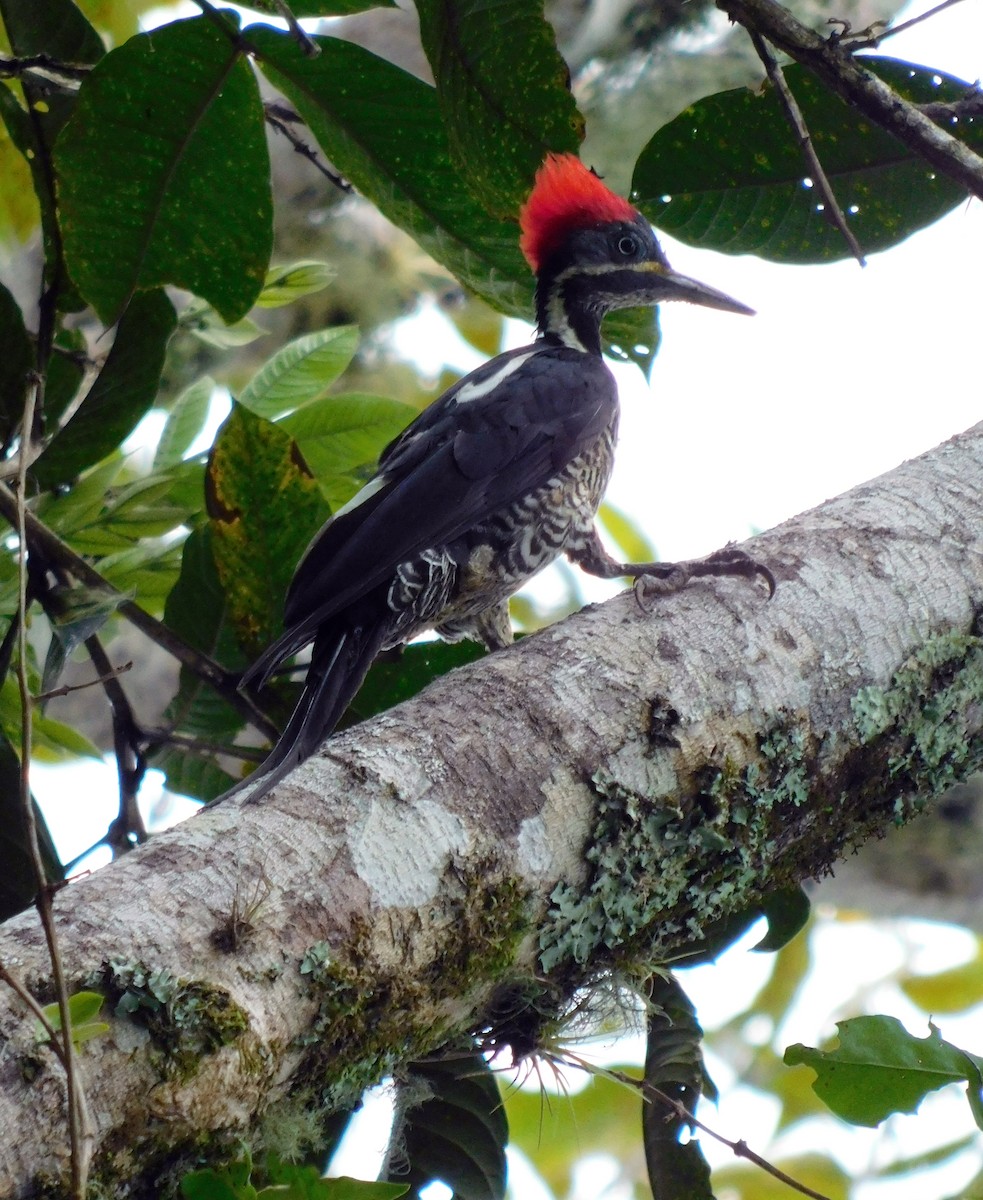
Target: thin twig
[[57, 553], [131, 762], [202, 746], [47, 69], [831, 207], [21, 991], [279, 117], [651, 1093], [304, 39], [66, 689], [866, 40], [79, 1133], [968, 108], [862, 90]]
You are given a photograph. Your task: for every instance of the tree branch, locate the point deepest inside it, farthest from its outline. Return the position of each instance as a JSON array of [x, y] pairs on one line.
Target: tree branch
[[631, 780], [845, 76], [793, 114]]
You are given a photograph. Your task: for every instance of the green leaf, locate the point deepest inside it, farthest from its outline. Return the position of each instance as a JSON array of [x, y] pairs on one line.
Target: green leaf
[[231, 1182], [121, 396], [674, 1067], [197, 610], [747, 1181], [787, 913], [505, 100], [727, 173], [390, 683], [284, 285], [290, 1181], [341, 438], [58, 29], [18, 883], [82, 1009], [301, 372], [16, 361], [950, 991], [382, 128], [264, 507], [603, 1118], [629, 541], [51, 741], [184, 422], [82, 612], [878, 1068], [165, 160], [18, 203], [451, 1125]]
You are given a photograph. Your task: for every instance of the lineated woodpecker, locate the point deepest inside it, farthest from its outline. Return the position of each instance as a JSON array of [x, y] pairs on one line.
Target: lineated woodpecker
[[499, 476]]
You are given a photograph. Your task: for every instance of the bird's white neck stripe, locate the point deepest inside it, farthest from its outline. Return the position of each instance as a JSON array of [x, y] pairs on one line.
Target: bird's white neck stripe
[[475, 389]]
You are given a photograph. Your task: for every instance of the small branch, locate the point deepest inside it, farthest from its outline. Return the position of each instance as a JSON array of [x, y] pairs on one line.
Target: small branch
[[304, 39], [280, 118], [653, 1094], [56, 553], [202, 746], [131, 763], [969, 107], [867, 40], [831, 210], [45, 70], [28, 1000], [66, 689], [845, 76], [80, 1135]]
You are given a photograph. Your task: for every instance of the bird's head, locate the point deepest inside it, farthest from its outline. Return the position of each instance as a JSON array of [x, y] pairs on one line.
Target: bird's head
[[592, 251]]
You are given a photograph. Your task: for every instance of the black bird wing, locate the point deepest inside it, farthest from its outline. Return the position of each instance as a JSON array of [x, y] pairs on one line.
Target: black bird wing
[[497, 434]]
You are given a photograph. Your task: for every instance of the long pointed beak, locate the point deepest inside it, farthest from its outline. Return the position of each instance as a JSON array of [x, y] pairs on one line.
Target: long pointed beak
[[681, 287]]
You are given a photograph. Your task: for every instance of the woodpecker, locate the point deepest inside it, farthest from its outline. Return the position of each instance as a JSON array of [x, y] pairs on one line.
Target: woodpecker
[[495, 479]]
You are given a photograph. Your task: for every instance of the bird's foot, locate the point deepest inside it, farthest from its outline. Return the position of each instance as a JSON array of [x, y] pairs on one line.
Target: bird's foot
[[662, 579]]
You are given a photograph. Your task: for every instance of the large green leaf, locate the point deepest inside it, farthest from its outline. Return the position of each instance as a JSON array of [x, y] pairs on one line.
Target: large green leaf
[[674, 1068], [341, 438], [451, 1125], [264, 506], [184, 423], [879, 1068], [505, 99], [389, 683], [121, 395], [301, 372], [16, 360], [197, 610], [164, 173], [728, 174], [18, 884], [382, 128], [59, 30]]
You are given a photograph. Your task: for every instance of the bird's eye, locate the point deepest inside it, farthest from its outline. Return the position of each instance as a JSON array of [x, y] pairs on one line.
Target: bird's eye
[[628, 245]]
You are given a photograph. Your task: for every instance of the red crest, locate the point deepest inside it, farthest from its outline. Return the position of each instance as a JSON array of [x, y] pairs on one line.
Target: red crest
[[566, 196]]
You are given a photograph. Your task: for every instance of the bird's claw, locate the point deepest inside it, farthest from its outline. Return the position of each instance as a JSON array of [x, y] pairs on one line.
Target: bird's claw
[[665, 578]]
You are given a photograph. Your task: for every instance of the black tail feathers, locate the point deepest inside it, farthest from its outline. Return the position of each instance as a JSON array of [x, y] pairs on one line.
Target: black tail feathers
[[340, 661]]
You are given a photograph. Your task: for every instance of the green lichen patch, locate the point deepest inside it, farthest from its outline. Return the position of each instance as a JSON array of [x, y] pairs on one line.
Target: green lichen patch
[[186, 1019], [665, 871], [371, 1019], [484, 928], [925, 729]]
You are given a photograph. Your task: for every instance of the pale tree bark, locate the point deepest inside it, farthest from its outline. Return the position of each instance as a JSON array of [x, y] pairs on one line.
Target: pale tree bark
[[591, 801]]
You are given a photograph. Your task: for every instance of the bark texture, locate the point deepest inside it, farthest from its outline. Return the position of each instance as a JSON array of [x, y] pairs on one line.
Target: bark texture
[[596, 799]]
